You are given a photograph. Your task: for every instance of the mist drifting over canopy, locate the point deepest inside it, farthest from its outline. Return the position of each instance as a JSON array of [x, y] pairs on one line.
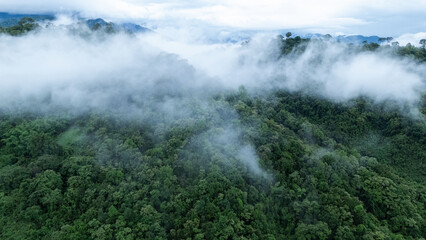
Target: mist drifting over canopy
[[70, 67], [168, 77], [200, 120]]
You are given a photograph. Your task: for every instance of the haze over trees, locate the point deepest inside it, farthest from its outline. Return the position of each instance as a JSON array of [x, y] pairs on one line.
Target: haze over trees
[[166, 160]]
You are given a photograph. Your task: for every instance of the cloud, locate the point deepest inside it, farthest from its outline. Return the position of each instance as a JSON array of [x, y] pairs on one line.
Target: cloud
[[331, 70], [94, 8], [167, 79], [273, 14], [57, 67], [413, 39], [335, 72], [328, 16], [73, 68], [223, 145]]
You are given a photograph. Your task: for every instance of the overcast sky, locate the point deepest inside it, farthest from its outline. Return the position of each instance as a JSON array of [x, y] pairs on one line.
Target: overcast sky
[[368, 17]]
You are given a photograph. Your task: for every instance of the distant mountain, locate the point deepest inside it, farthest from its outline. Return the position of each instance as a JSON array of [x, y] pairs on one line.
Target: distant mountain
[[8, 19], [357, 39], [354, 39], [313, 35], [128, 27], [131, 27], [91, 23]]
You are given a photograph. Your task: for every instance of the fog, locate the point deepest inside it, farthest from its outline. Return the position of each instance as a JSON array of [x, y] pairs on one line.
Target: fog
[[337, 73], [59, 68], [412, 38], [167, 78], [73, 68]]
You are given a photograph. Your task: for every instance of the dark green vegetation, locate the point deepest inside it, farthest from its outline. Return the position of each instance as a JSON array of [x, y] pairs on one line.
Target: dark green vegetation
[[353, 170], [297, 45], [413, 52], [9, 20], [16, 26], [336, 172], [24, 25]]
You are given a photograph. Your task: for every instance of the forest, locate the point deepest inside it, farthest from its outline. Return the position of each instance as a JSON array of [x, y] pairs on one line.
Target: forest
[[240, 165]]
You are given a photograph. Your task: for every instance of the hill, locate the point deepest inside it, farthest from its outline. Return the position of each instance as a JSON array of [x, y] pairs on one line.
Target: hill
[[9, 20], [162, 158]]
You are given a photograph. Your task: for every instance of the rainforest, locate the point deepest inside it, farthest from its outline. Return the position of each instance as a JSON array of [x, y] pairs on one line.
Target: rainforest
[[110, 133]]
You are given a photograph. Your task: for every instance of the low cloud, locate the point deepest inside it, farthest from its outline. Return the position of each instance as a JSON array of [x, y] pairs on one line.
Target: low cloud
[[413, 39], [329, 16], [72, 67], [336, 72], [164, 80]]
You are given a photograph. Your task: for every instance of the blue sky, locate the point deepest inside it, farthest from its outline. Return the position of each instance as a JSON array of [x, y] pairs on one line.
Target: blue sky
[[367, 17]]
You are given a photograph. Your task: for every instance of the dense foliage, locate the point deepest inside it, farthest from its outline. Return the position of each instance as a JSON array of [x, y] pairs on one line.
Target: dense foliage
[[329, 170], [26, 24], [97, 176], [296, 45]]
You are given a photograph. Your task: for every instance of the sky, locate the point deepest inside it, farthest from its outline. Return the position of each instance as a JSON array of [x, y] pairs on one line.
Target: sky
[[367, 17]]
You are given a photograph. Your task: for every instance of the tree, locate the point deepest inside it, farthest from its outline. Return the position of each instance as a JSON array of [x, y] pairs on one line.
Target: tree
[[26, 24], [318, 231], [423, 43]]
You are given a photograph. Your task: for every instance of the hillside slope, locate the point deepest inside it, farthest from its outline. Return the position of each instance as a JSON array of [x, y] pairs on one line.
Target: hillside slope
[[102, 177]]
